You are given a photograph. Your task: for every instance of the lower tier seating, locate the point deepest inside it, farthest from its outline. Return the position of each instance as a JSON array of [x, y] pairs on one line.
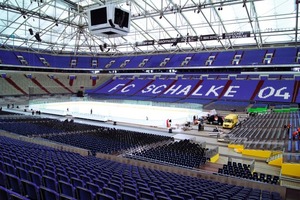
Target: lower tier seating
[[31, 171]]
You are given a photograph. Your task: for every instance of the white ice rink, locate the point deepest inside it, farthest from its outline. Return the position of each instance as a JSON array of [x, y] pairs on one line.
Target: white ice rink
[[127, 113]]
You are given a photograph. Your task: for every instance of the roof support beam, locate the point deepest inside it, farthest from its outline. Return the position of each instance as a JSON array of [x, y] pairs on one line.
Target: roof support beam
[[145, 31], [258, 43], [297, 15], [188, 23], [221, 21]]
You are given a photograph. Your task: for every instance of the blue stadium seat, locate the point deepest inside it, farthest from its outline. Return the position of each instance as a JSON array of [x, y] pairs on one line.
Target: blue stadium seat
[[48, 194], [176, 197], [76, 182], [22, 173], [186, 196], [130, 190], [37, 169], [50, 173], [9, 168], [93, 187], [2, 178], [147, 195], [160, 193], [163, 198], [102, 196], [64, 197], [16, 196], [3, 193], [127, 196], [111, 192], [84, 194], [114, 186], [30, 190], [50, 183], [62, 177], [13, 183], [66, 189], [35, 178], [98, 182]]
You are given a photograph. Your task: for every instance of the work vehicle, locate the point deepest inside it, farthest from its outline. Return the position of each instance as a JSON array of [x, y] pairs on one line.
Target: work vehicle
[[215, 119], [230, 121]]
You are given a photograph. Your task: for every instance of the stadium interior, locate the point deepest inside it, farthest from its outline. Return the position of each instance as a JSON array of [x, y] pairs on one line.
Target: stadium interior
[[131, 100]]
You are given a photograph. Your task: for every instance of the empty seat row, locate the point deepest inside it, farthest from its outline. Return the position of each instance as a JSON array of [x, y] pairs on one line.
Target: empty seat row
[[182, 153]]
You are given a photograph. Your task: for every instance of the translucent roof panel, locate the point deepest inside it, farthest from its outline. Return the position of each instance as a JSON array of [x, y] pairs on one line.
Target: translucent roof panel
[[155, 26]]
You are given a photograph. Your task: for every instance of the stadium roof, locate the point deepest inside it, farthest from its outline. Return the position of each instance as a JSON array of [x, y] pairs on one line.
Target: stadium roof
[[231, 24]]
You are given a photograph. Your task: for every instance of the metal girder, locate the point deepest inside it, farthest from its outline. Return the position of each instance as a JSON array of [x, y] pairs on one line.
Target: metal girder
[[70, 3], [258, 43], [221, 21], [187, 21], [144, 32], [141, 30], [200, 10], [297, 15], [154, 19]]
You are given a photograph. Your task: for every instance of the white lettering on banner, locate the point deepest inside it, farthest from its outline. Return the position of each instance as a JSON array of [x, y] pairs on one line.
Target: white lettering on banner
[[149, 88], [185, 90], [286, 95], [270, 91], [195, 93], [230, 92], [157, 91], [124, 89], [172, 89], [114, 88], [213, 90]]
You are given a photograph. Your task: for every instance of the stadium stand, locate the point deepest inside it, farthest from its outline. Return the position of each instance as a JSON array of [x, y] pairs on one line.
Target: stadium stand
[[90, 171], [183, 153], [244, 171], [248, 57]]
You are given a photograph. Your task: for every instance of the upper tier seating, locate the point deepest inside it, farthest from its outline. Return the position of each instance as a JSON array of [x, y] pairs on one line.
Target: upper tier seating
[[84, 62], [227, 58], [285, 55], [32, 59], [224, 58]]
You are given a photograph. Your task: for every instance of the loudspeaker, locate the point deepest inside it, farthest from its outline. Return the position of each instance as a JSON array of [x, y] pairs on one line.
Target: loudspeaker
[[80, 93], [120, 20], [111, 23], [101, 48], [30, 31], [37, 37]]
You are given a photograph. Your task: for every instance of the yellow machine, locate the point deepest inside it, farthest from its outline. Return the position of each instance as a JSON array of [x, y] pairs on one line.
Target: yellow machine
[[230, 121]]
